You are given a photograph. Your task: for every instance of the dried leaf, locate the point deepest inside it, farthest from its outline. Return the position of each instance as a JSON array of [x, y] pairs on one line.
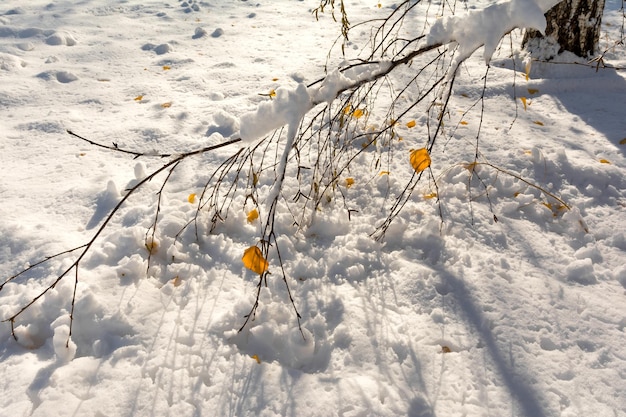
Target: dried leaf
[[358, 113], [138, 98], [410, 124], [429, 196], [532, 91], [192, 198], [384, 173], [420, 160], [166, 68], [253, 260], [537, 122], [622, 142], [166, 105], [471, 166], [347, 109], [523, 102], [274, 79], [253, 215], [445, 349], [152, 246], [272, 93], [527, 69], [463, 122], [177, 281], [349, 182], [605, 161], [256, 358]]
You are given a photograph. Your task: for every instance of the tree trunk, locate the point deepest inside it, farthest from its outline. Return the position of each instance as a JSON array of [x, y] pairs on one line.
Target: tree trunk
[[572, 25]]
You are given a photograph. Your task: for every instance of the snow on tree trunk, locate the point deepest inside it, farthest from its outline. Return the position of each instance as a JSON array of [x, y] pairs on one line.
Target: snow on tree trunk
[[572, 25]]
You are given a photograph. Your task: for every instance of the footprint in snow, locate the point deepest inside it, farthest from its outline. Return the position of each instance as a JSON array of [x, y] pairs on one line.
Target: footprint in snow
[[189, 6], [63, 77], [158, 49]]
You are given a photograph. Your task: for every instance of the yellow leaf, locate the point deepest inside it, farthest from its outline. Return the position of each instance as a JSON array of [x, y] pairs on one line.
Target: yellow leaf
[[177, 281], [429, 196], [527, 70], [548, 205], [192, 198], [256, 358], [532, 91], [380, 5], [604, 161], [528, 152], [138, 98], [166, 67], [253, 260], [410, 124], [272, 93], [384, 173], [358, 113], [253, 215], [463, 122], [537, 122], [347, 109], [420, 160], [622, 142], [349, 182], [166, 105], [524, 102]]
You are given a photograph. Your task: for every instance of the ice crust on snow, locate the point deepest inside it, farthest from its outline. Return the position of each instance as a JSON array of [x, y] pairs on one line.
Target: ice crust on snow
[[488, 26]]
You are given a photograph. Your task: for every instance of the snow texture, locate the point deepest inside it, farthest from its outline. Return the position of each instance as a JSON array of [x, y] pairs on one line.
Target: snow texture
[[523, 316]]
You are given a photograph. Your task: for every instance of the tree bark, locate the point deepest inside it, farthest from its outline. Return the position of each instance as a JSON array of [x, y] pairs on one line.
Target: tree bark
[[572, 25]]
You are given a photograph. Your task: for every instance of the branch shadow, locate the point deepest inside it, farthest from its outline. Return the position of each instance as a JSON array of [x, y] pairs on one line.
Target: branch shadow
[[596, 96], [529, 400]]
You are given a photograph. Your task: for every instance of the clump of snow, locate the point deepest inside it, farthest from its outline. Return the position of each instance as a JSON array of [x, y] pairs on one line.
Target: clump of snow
[[64, 347], [337, 80], [287, 107], [488, 26]]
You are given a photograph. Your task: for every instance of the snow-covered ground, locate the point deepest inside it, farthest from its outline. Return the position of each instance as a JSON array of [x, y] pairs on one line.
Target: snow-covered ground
[[524, 316]]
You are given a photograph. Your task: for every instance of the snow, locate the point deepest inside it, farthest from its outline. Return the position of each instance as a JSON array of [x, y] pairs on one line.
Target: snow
[[488, 26], [522, 316]]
